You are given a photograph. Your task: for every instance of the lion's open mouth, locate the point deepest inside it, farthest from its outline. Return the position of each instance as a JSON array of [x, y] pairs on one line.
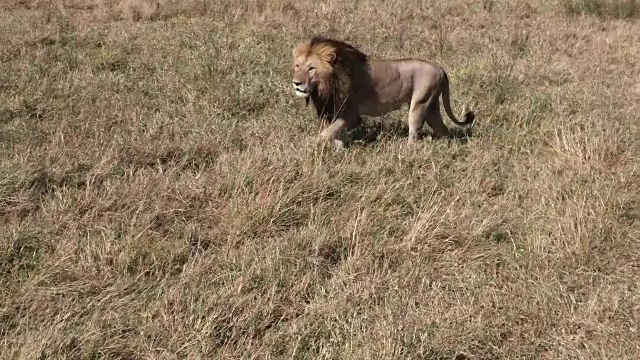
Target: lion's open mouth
[[302, 92]]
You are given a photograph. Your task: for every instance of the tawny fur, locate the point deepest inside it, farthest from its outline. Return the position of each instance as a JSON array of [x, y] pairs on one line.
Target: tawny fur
[[344, 84]]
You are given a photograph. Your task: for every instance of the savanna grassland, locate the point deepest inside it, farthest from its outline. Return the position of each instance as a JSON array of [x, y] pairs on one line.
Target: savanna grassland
[[161, 196]]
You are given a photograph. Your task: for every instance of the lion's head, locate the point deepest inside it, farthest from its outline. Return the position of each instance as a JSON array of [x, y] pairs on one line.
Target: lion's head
[[327, 69]]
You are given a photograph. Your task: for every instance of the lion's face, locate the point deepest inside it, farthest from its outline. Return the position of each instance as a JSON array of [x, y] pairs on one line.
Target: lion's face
[[307, 75]]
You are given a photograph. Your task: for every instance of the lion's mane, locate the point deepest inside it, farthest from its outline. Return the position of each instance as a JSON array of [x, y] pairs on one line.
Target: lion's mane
[[343, 69]]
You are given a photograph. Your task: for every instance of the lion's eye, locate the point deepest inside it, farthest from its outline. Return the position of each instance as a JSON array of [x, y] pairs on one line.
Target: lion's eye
[[311, 68]]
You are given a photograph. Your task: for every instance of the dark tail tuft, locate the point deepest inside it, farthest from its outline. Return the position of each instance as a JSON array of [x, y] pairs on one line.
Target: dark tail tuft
[[469, 117]]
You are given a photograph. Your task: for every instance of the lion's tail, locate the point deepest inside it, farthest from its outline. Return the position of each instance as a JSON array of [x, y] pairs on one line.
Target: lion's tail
[[469, 116]]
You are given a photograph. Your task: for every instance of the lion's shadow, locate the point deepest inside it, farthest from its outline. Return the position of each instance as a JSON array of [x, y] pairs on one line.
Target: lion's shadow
[[372, 131]]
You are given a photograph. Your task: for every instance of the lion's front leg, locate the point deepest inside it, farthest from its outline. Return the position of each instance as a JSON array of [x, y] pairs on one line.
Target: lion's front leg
[[335, 131]]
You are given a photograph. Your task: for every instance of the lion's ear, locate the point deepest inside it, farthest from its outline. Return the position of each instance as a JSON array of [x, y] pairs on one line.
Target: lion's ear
[[327, 54], [333, 58], [330, 56]]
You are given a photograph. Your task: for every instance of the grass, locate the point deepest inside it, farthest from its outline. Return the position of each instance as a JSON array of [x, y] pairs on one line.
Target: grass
[[622, 9], [160, 196]]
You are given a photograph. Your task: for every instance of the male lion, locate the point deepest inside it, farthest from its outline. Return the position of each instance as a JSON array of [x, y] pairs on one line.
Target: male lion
[[344, 84]]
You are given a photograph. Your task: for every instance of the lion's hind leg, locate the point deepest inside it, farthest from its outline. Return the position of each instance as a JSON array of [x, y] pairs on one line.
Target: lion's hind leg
[[435, 122], [425, 106], [417, 112]]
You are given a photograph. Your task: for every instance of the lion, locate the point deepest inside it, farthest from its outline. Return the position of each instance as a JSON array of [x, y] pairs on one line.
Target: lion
[[344, 84]]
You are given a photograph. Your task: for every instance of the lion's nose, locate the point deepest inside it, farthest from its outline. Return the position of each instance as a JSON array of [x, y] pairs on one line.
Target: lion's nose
[[297, 83]]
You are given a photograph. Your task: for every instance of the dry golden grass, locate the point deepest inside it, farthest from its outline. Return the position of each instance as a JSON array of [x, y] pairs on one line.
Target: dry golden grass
[[160, 197]]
